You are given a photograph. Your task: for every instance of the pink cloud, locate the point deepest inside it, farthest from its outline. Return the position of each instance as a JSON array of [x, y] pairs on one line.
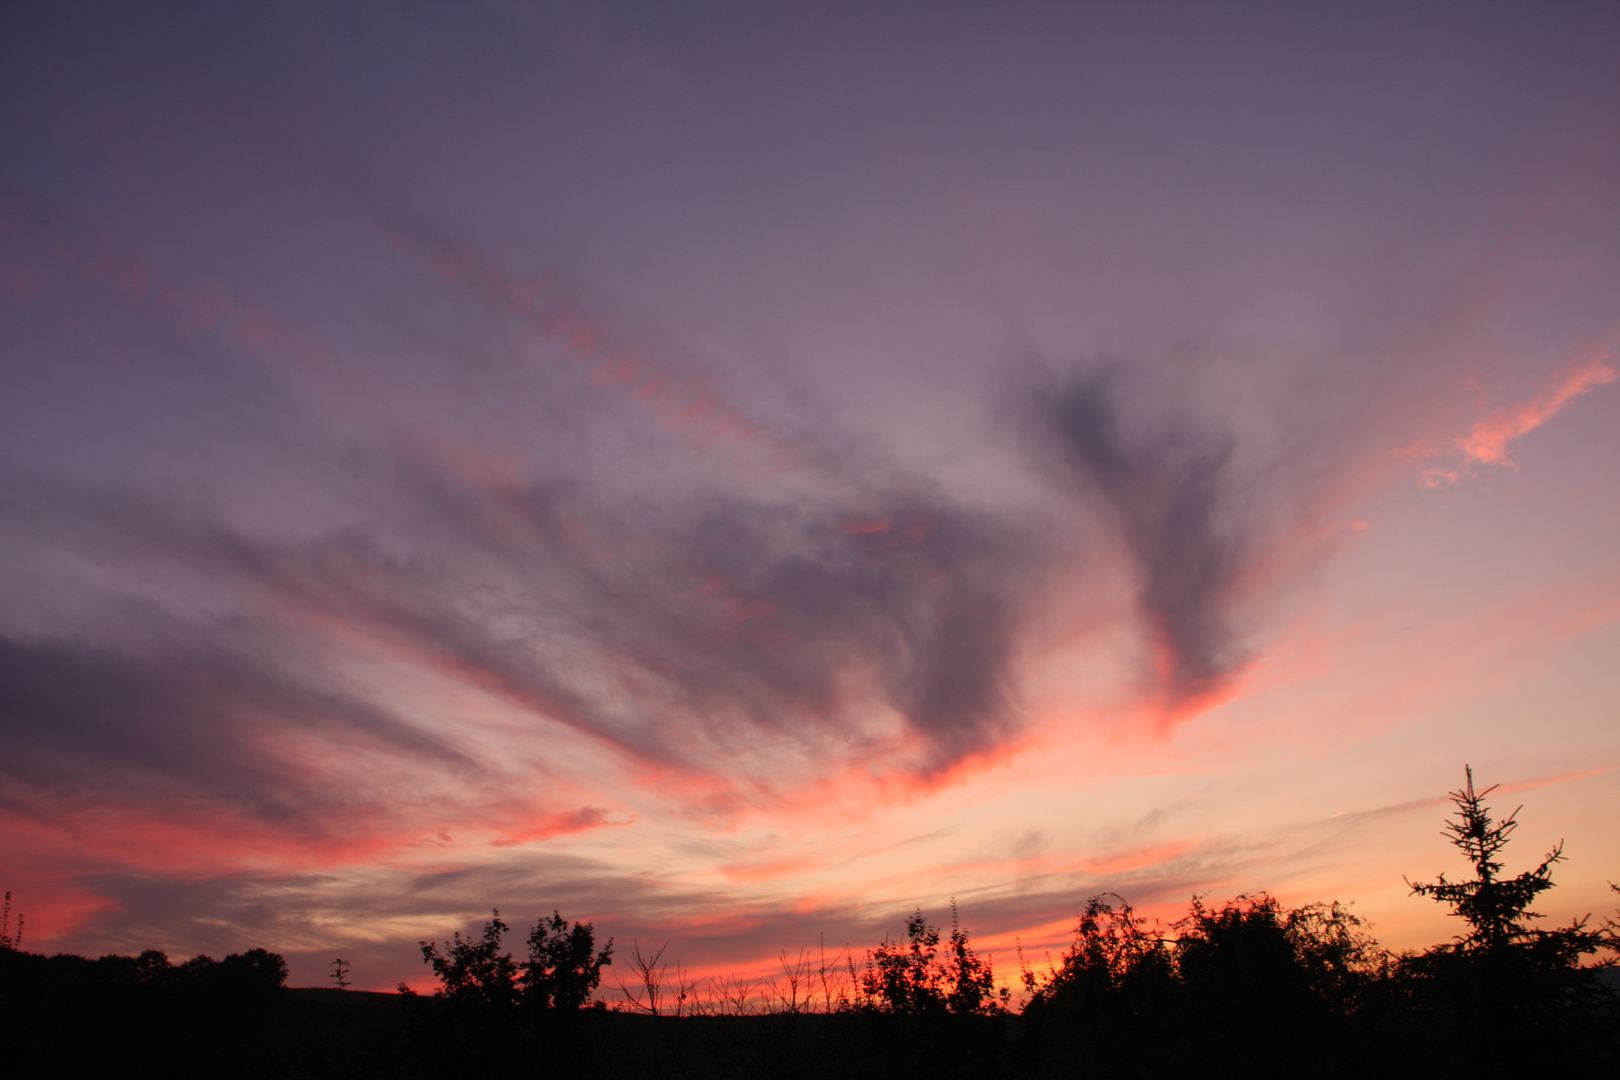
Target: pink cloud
[[1488, 440], [549, 825], [681, 399]]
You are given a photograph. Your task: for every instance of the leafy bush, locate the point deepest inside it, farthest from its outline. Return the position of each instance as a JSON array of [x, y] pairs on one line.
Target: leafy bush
[[474, 971], [495, 1016], [1248, 982], [910, 977], [563, 968]]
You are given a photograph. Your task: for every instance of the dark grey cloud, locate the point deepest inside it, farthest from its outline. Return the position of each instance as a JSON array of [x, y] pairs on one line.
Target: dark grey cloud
[[619, 578], [1169, 490], [668, 628], [689, 618], [184, 721], [779, 617]]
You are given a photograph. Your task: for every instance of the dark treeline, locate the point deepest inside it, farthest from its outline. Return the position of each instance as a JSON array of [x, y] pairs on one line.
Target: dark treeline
[[1248, 987], [138, 1015]]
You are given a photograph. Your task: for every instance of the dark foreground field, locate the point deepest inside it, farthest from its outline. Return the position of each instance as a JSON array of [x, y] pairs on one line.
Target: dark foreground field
[[97, 1030], [101, 1029]]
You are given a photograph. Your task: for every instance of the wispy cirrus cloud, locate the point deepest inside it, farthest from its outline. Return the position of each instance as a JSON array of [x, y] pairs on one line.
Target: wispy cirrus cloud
[[715, 625], [1171, 494], [1488, 440]]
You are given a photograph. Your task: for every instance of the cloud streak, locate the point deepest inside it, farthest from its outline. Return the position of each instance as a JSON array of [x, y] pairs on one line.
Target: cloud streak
[[1170, 496], [1488, 440], [725, 633], [755, 633]]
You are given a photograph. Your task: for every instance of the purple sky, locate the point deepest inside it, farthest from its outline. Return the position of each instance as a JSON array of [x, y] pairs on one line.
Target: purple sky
[[738, 472]]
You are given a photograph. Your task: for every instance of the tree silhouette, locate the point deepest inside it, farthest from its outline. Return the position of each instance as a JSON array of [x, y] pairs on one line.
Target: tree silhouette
[[1495, 908], [474, 970], [1506, 990], [564, 967]]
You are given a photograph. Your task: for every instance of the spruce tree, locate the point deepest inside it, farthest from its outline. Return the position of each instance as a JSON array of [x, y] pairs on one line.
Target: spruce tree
[[1507, 990], [1495, 908]]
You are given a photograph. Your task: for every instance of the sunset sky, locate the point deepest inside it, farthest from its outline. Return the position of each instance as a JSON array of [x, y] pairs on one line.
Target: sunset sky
[[736, 473]]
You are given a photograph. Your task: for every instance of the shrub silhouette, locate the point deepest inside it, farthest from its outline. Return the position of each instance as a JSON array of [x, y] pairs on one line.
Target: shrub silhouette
[[495, 1016], [1249, 983], [10, 941], [1262, 984], [923, 1006], [910, 978], [905, 978]]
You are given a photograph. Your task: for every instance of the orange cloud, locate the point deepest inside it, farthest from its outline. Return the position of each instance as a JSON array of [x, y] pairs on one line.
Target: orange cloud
[[1564, 778], [194, 844], [1487, 441], [546, 826]]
